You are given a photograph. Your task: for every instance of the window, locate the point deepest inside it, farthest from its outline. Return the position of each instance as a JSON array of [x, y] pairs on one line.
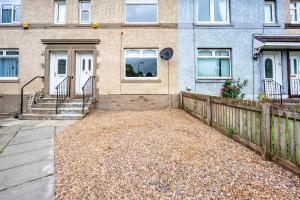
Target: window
[[60, 12], [10, 11], [294, 11], [270, 12], [268, 68], [9, 64], [85, 12], [141, 11], [213, 11], [214, 64], [141, 64]]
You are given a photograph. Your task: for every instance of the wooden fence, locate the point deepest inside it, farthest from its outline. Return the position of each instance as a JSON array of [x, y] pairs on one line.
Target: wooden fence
[[273, 131]]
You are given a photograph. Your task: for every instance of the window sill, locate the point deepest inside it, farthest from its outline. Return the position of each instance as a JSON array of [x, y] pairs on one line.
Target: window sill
[[271, 25], [213, 25], [292, 25], [141, 25], [10, 25], [9, 80], [141, 81], [212, 80]]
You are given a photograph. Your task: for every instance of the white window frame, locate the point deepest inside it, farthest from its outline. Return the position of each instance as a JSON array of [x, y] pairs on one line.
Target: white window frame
[[213, 55], [56, 5], [212, 13], [10, 56], [273, 10], [142, 3], [12, 5], [81, 10], [141, 56], [297, 9]]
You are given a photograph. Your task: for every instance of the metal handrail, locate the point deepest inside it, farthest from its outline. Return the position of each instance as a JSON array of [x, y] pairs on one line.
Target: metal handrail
[[22, 91], [63, 90], [89, 82], [273, 90]]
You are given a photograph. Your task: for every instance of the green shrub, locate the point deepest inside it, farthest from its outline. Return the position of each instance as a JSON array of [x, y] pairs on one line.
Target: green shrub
[[233, 91]]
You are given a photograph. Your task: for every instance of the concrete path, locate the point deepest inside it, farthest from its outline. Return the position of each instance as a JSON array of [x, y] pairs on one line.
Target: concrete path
[[27, 158]]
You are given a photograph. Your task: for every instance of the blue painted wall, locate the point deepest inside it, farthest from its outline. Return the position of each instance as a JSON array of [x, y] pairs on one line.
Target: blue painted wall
[[247, 18]]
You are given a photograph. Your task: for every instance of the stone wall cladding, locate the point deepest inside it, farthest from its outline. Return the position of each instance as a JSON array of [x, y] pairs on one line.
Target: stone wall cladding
[[9, 103], [137, 102]]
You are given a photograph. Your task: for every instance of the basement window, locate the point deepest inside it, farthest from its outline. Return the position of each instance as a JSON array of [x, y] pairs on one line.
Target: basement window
[[9, 64], [141, 64]]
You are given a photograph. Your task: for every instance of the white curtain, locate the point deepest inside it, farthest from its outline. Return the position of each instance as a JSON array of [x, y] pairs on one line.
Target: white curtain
[[223, 9], [9, 67]]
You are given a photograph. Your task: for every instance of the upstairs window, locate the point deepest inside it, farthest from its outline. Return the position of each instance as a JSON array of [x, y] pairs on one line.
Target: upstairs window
[[214, 64], [213, 11], [294, 11], [9, 64], [141, 64], [270, 12], [10, 11], [141, 11], [60, 12], [85, 12]]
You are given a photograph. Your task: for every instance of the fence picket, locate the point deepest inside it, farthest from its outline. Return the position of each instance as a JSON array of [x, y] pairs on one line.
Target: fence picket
[[253, 131], [298, 142], [291, 136], [283, 138], [276, 135]]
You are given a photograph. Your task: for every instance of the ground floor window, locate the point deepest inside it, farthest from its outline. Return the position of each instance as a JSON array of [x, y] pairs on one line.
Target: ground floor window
[[9, 64], [141, 63], [214, 63]]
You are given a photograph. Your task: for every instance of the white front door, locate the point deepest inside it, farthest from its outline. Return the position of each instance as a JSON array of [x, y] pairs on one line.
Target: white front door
[[58, 69], [84, 69], [272, 66], [294, 74]]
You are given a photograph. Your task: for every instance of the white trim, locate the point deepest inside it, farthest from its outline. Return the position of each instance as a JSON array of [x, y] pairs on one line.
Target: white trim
[[12, 5], [81, 10], [141, 56], [141, 2], [273, 12], [297, 9], [56, 13], [212, 14], [213, 55], [11, 56]]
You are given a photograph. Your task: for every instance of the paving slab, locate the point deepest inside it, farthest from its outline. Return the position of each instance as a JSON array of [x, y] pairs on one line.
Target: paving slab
[[28, 146], [11, 161], [36, 190], [26, 173], [6, 135], [33, 135]]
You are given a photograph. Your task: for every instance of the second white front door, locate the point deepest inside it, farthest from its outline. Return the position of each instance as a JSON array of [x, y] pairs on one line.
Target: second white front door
[[84, 69]]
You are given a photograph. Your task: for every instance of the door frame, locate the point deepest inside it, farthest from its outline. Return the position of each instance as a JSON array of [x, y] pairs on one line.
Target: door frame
[[71, 46], [289, 72], [76, 79], [51, 77]]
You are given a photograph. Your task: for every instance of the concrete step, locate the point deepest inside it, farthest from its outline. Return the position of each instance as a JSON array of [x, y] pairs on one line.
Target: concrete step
[[61, 110], [51, 117], [63, 105], [53, 100]]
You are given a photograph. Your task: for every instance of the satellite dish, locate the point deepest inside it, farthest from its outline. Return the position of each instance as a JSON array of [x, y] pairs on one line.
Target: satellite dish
[[166, 54]]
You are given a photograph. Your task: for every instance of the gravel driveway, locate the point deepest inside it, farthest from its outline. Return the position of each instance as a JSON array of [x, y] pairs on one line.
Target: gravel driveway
[[164, 154]]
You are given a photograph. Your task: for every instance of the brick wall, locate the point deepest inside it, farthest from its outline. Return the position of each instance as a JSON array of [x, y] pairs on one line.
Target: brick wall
[[137, 102]]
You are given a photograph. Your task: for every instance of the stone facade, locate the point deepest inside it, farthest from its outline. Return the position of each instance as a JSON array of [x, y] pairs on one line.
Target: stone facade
[[114, 36]]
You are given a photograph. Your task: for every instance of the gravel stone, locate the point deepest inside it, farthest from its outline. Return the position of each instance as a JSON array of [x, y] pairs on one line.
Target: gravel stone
[[165, 154]]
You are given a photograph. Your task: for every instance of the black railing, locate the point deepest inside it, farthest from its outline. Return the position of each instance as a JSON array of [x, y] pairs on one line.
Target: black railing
[[63, 91], [273, 90], [87, 92], [22, 91], [295, 87]]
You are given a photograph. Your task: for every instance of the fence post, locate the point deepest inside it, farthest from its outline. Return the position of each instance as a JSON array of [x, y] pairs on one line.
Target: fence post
[[209, 114], [266, 130]]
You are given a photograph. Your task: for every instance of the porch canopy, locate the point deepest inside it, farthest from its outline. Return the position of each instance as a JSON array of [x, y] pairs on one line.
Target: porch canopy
[[276, 42]]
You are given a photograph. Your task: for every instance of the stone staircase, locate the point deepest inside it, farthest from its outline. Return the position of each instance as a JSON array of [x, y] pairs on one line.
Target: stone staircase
[[291, 101], [45, 109]]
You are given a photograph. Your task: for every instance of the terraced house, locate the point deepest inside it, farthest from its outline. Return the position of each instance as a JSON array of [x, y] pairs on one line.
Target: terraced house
[[218, 40], [85, 51]]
